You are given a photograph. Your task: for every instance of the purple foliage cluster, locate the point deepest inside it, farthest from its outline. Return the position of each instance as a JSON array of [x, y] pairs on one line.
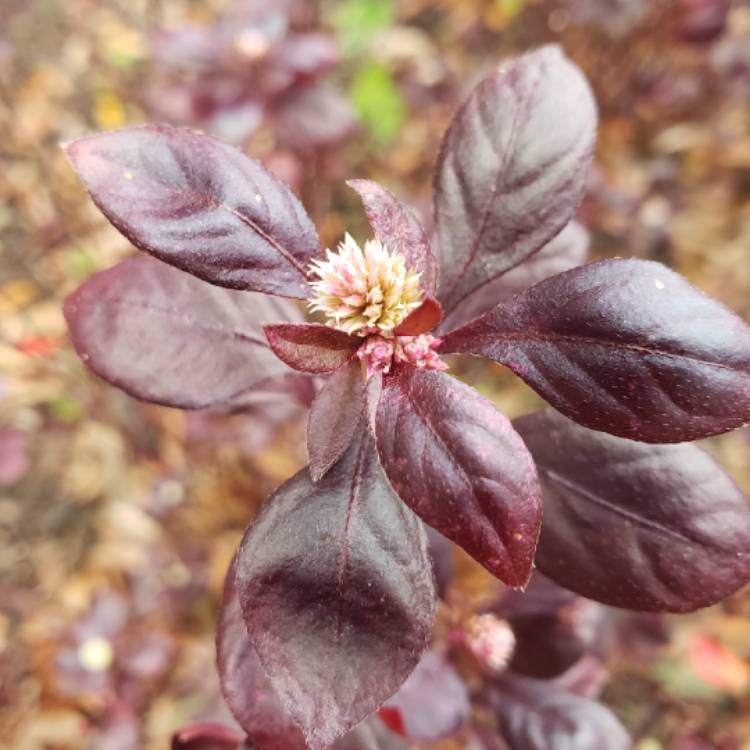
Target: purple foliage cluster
[[329, 603]]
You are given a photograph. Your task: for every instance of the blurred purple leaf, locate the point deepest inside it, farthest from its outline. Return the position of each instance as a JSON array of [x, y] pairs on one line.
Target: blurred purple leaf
[[537, 715], [167, 337], [335, 418], [623, 346], [206, 736], [431, 704], [457, 462], [506, 181], [336, 588], [541, 596], [646, 527], [201, 205], [311, 347], [14, 459], [565, 251], [396, 226], [308, 55]]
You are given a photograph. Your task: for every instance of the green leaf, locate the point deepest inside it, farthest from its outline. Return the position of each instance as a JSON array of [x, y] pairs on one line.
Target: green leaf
[[378, 102], [358, 21]]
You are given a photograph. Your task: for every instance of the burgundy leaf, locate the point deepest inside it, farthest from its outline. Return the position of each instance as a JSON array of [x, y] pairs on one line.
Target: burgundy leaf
[[201, 205], [396, 226], [511, 169], [541, 597], [458, 463], [623, 346], [167, 337], [536, 715], [335, 418], [311, 347], [563, 252], [431, 704], [647, 527], [206, 736], [423, 319], [441, 555], [336, 589]]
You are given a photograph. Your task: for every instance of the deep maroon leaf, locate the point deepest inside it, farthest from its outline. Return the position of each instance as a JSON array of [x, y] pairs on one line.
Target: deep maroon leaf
[[565, 251], [311, 347], [647, 527], [165, 336], [457, 462], [536, 715], [337, 593], [335, 418], [511, 169], [623, 346], [441, 555], [200, 205], [423, 319], [244, 684], [396, 226], [431, 704], [541, 597], [206, 736]]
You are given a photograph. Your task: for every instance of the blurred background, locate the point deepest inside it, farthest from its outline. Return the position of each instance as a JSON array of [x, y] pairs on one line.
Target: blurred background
[[118, 519]]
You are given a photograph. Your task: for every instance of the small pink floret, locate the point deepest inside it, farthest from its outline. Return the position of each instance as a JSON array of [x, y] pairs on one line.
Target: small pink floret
[[379, 353]]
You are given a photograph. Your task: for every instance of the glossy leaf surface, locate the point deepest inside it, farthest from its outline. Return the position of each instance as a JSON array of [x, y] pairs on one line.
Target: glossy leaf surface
[[458, 463], [511, 169], [623, 346], [164, 336], [565, 251], [335, 418], [536, 715], [199, 204], [431, 704], [311, 347], [337, 593], [647, 527], [396, 226]]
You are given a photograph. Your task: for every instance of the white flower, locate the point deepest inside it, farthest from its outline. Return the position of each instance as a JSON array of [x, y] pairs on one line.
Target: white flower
[[364, 292]]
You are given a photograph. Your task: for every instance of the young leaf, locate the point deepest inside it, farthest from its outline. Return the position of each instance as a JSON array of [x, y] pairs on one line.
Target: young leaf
[[536, 715], [335, 418], [311, 347], [457, 462], [511, 169], [200, 205], [648, 527], [167, 337], [423, 319], [565, 251], [623, 346], [431, 704], [336, 589], [396, 226], [205, 736]]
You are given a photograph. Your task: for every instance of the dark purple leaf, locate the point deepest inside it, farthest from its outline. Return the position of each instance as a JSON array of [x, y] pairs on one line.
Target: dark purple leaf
[[623, 346], [431, 704], [536, 715], [587, 678], [647, 527], [247, 690], [206, 736], [457, 462], [565, 251], [441, 555], [396, 226], [165, 336], [511, 169], [200, 205], [335, 418], [311, 347], [542, 596], [423, 319], [337, 593]]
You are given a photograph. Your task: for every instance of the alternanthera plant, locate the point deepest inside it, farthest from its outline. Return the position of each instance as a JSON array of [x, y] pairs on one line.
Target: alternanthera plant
[[331, 598]]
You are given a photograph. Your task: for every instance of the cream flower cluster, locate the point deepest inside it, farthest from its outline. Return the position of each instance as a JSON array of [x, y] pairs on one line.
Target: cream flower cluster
[[364, 291]]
